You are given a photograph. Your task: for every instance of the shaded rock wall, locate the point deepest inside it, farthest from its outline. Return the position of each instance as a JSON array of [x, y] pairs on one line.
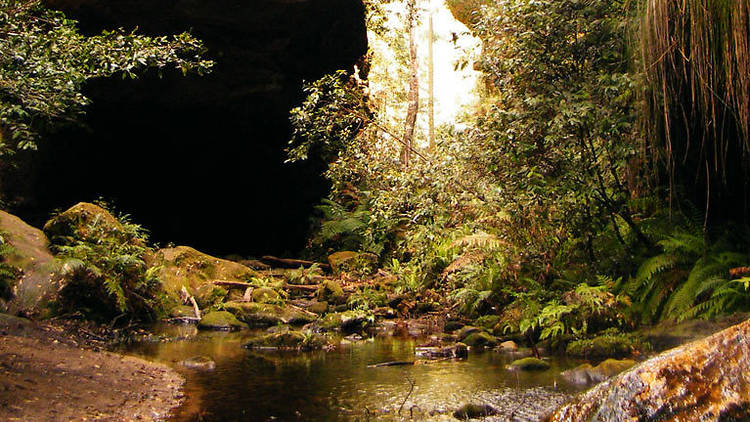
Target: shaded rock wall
[[199, 160]]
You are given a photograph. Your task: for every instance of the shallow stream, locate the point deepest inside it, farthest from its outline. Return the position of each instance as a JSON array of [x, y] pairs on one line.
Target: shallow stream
[[339, 385]]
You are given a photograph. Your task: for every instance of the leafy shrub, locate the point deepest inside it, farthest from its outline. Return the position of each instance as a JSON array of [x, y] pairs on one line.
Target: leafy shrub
[[8, 273], [609, 344], [106, 273]]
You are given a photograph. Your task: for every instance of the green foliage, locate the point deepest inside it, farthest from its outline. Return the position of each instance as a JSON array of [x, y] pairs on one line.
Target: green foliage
[[691, 277], [44, 61], [106, 273], [331, 116], [366, 299], [8, 273], [342, 227], [609, 344]]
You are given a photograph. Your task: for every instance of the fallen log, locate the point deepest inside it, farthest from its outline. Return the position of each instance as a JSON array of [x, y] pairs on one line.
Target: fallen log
[[304, 287], [394, 363], [232, 284], [291, 263]]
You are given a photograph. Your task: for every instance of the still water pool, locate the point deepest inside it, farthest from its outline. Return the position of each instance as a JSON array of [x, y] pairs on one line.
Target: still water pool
[[340, 385]]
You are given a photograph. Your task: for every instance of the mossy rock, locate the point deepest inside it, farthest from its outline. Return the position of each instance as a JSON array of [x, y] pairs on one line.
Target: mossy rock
[[290, 340], [13, 321], [466, 331], [182, 311], [480, 339], [342, 261], [83, 221], [529, 364], [220, 320], [35, 283], [208, 295], [318, 307], [330, 291], [616, 345], [474, 411], [266, 314], [183, 266], [347, 322], [266, 295]]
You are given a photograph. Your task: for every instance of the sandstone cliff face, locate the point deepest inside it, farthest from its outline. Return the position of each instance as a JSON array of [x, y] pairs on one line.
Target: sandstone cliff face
[[708, 380]]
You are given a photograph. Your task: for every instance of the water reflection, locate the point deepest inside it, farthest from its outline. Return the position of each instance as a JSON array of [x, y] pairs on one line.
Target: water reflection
[[338, 385]]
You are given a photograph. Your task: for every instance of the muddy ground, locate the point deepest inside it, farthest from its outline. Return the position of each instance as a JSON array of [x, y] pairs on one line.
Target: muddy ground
[[57, 372]]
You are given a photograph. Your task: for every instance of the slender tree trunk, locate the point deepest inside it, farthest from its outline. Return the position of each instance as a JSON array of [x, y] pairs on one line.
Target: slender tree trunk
[[431, 84], [413, 108]]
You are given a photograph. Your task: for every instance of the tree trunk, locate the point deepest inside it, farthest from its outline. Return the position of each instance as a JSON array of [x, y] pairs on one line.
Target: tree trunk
[[431, 84], [413, 108]]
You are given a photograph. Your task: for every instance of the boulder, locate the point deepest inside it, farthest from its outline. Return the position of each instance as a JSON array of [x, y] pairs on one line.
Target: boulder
[[458, 350], [465, 331], [201, 363], [529, 364], [183, 266], [182, 311], [508, 346], [330, 291], [84, 221], [266, 314], [289, 340], [479, 339], [347, 322], [474, 411], [220, 320], [37, 282], [707, 380], [587, 374], [266, 295]]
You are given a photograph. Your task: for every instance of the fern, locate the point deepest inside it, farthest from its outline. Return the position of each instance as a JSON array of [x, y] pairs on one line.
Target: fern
[[479, 240]]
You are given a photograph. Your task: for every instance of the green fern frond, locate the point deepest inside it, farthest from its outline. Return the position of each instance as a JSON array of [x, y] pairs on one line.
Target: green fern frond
[[479, 240]]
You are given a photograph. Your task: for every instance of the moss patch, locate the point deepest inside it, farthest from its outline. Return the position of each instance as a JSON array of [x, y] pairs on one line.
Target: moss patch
[[220, 320], [529, 364]]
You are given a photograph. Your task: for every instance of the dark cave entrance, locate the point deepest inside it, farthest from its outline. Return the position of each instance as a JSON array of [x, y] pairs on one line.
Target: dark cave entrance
[[200, 160]]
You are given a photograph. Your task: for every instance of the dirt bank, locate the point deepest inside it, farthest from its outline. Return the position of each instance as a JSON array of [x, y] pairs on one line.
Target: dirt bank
[[45, 375]]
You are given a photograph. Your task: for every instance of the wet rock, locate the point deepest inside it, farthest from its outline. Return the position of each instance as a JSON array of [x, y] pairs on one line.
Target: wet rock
[[474, 411], [220, 320], [706, 380], [182, 311], [265, 314], [529, 364], [465, 331], [346, 322], [265, 295], [480, 339], [508, 346], [290, 340], [587, 374], [330, 291], [201, 363], [458, 350]]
